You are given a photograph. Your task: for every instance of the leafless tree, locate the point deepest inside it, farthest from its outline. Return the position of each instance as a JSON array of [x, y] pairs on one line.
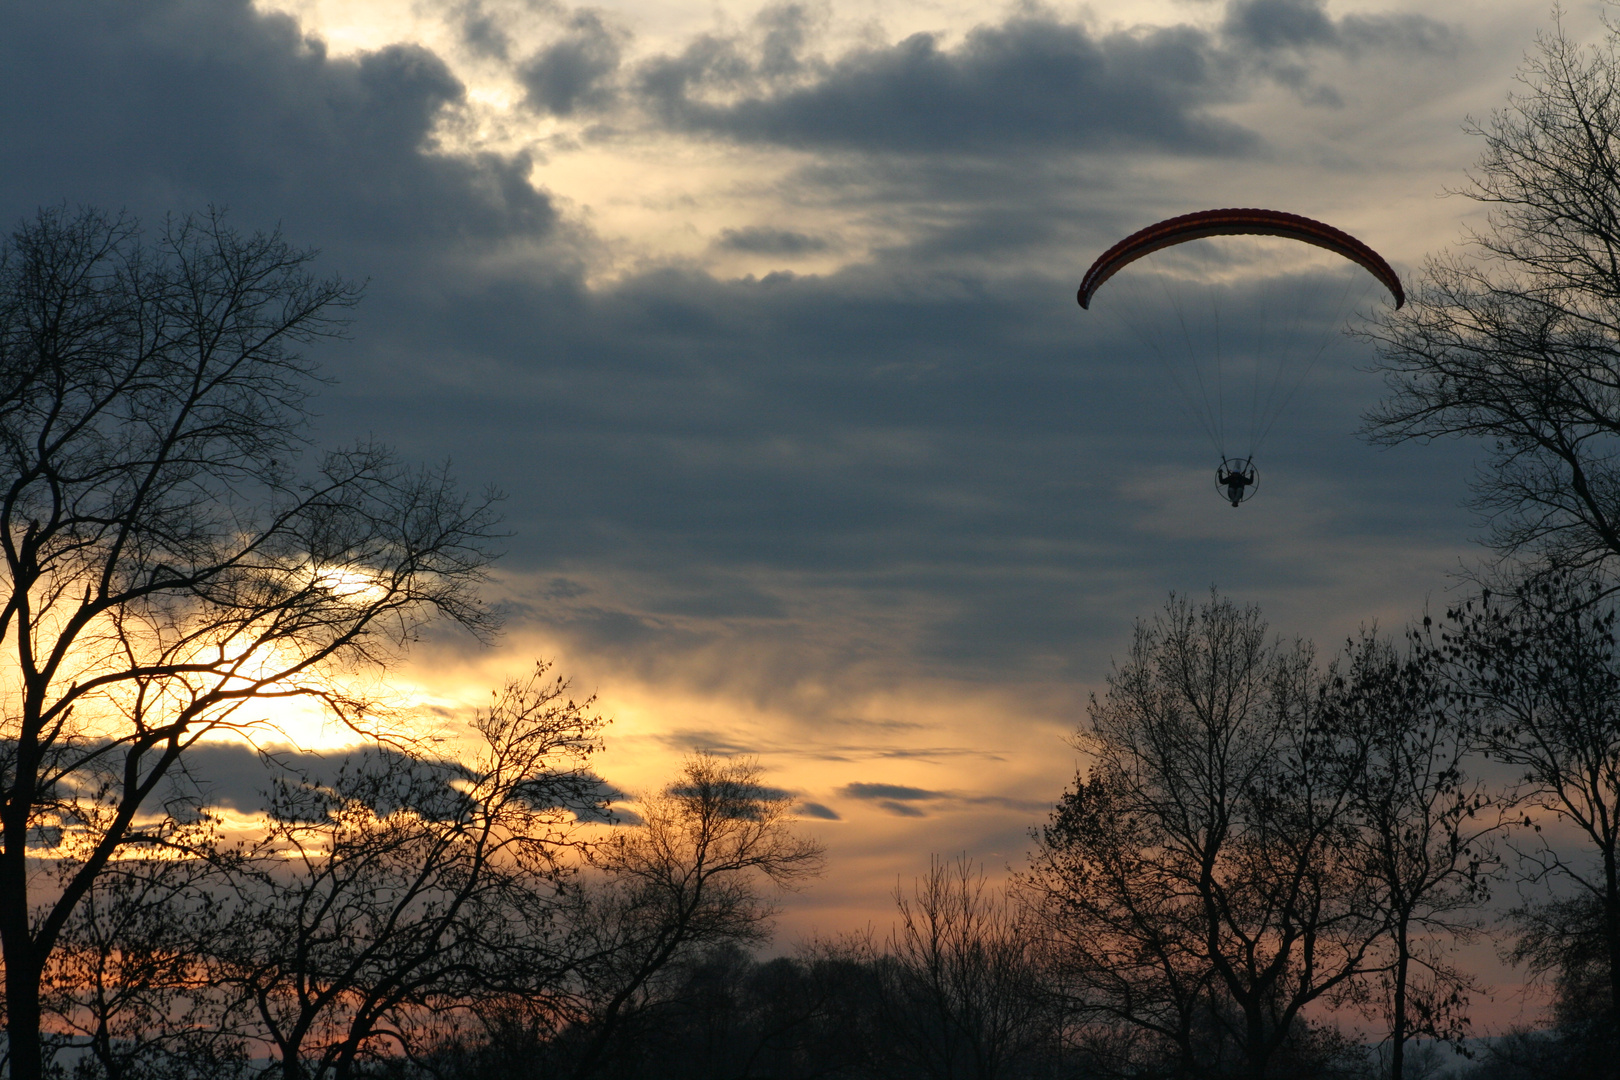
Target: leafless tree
[[1125, 946], [1423, 827], [168, 567], [1543, 672], [131, 980], [961, 989], [1203, 872], [407, 888], [1516, 340], [688, 878]]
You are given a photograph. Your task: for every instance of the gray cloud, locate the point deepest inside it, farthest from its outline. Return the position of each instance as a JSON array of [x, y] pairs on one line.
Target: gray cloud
[[482, 30], [767, 241], [1032, 81], [233, 776], [1035, 81], [817, 810], [174, 105], [954, 451], [576, 73], [1269, 25], [899, 799], [805, 494]]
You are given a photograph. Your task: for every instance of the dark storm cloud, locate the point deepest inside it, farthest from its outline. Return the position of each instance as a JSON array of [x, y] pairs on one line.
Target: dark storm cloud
[[233, 776], [1034, 80], [171, 104]]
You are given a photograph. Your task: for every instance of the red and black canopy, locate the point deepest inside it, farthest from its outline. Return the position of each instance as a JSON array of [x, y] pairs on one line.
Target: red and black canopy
[[1178, 230]]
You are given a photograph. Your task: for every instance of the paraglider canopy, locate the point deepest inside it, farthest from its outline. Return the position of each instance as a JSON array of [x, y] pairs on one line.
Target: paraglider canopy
[[1179, 230]]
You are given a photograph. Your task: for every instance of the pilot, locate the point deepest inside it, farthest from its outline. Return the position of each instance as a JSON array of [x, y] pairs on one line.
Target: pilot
[[1234, 481]]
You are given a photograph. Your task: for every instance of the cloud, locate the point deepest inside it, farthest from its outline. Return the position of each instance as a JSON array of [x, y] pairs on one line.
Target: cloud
[[774, 482], [173, 105], [576, 73], [900, 799], [1269, 25], [235, 776], [897, 792], [1275, 35], [817, 810], [760, 240], [482, 30], [1032, 81], [1035, 82]]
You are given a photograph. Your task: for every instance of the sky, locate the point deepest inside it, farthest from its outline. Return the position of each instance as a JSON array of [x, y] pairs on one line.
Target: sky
[[762, 317]]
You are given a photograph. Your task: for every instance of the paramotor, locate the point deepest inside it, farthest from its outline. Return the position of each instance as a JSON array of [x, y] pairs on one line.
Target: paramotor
[[1237, 323]]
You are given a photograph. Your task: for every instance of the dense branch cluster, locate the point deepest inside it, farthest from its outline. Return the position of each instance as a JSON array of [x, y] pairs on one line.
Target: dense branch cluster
[[1516, 341]]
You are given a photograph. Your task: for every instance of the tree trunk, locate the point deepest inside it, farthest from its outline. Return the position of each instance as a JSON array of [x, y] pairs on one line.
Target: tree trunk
[[1397, 1029], [1611, 932], [22, 1019], [1258, 1052], [22, 967]]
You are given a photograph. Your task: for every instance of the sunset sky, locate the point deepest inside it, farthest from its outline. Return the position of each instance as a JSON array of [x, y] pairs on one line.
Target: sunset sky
[[762, 316]]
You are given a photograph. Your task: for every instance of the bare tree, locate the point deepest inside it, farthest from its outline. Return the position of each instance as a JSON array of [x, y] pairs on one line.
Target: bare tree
[[1564, 941], [1124, 941], [1517, 340], [1203, 872], [960, 979], [407, 888], [1423, 826], [167, 567], [131, 980], [1543, 672], [686, 879]]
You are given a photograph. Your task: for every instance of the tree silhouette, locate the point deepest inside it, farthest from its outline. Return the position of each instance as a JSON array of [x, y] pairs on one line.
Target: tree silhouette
[[1422, 826], [1516, 341], [1202, 876], [687, 879], [404, 889], [168, 568], [1542, 672]]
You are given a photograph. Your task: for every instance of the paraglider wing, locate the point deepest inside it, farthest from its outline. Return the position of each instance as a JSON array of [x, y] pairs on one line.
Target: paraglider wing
[[1178, 230]]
